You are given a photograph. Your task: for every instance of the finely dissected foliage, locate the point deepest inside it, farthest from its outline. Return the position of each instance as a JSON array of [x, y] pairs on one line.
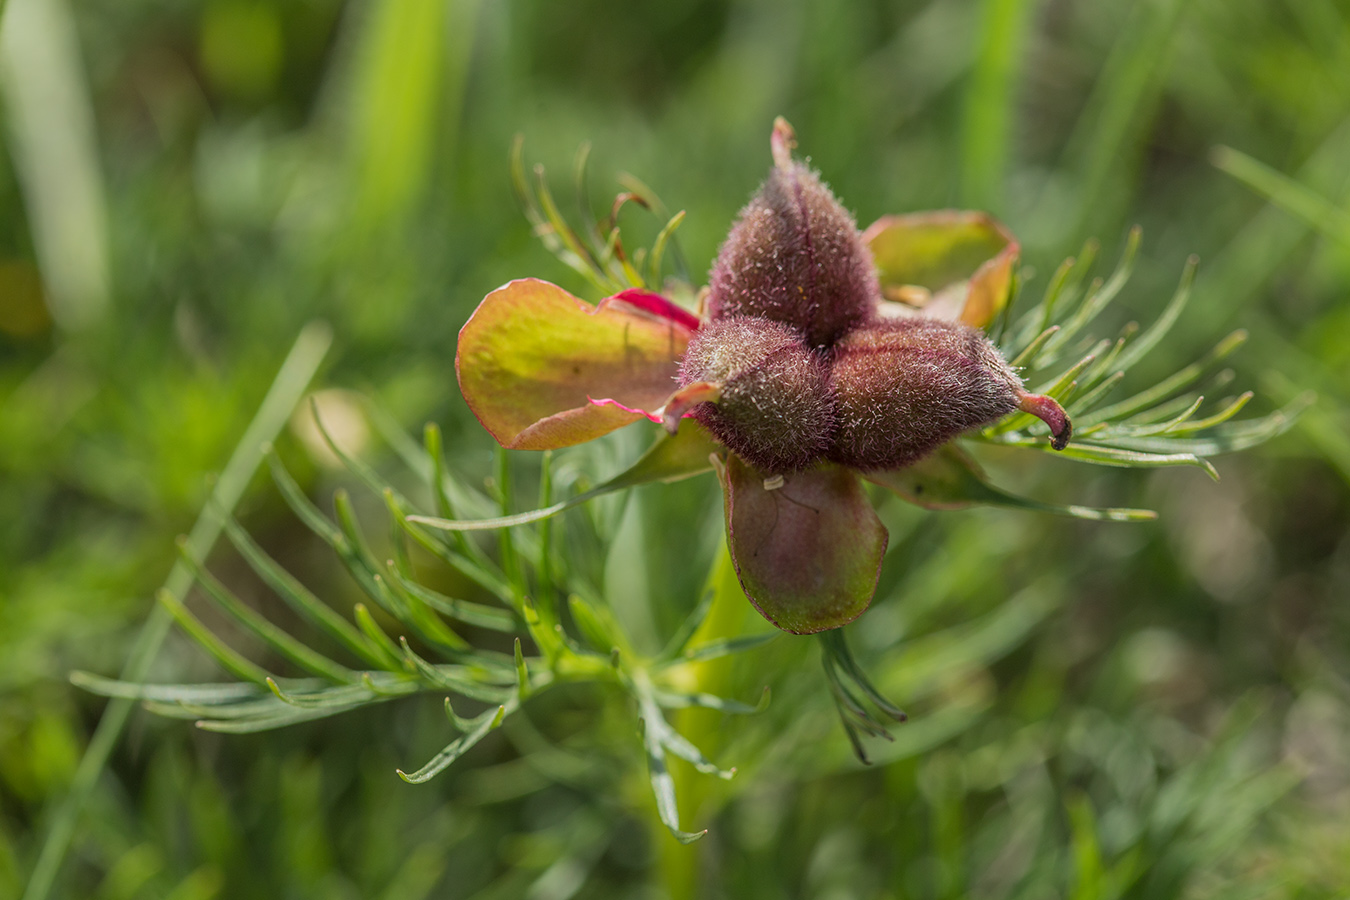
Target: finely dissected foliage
[[574, 638], [1097, 709]]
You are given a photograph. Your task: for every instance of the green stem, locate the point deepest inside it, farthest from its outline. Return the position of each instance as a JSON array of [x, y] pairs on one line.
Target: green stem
[[287, 388], [725, 619]]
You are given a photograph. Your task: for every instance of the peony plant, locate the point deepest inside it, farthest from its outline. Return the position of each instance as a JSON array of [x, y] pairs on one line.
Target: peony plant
[[819, 355], [817, 361]]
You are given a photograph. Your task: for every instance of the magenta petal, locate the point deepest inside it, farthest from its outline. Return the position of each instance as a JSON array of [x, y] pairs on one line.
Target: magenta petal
[[657, 305], [807, 552]]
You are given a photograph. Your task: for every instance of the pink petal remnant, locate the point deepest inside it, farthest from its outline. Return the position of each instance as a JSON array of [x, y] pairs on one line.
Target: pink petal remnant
[[1048, 410], [657, 305], [807, 553], [683, 401], [532, 356]]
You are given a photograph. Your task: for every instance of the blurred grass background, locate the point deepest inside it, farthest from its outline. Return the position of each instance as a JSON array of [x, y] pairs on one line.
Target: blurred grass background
[[1099, 710]]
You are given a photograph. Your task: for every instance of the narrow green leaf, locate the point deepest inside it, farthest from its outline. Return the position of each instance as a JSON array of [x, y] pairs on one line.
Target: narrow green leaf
[[263, 705], [468, 725], [659, 247], [726, 647], [1234, 407], [950, 479], [678, 744], [1085, 402], [663, 786], [454, 750], [359, 561], [1163, 324], [674, 700], [227, 692], [377, 635], [441, 677], [1129, 459], [300, 599], [1097, 299], [1179, 381], [292, 716], [476, 614], [301, 505], [476, 566], [344, 696], [599, 631], [231, 660], [669, 459], [303, 656], [1111, 433], [1029, 352], [544, 570], [1227, 438], [522, 673], [422, 619], [680, 639], [836, 645], [506, 543]]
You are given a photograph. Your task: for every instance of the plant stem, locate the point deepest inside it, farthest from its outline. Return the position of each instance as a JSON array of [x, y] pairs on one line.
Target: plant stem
[[726, 618]]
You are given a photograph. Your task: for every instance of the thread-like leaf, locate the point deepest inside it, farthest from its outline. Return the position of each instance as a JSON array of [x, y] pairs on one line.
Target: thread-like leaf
[[303, 656], [231, 660], [671, 458], [454, 750], [301, 600]]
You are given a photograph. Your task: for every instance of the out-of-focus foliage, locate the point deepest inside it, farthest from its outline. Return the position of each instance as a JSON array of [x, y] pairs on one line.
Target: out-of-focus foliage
[[1097, 709]]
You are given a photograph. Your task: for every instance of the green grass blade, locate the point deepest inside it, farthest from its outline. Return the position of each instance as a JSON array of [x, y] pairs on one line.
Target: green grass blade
[[1284, 192], [303, 360], [989, 102]]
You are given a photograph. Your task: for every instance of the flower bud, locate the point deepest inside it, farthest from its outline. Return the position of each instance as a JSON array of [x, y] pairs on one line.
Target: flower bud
[[904, 388], [795, 256], [772, 405]]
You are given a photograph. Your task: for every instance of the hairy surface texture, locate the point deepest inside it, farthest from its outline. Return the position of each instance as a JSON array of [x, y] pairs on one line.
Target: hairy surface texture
[[775, 409], [902, 389], [795, 256]]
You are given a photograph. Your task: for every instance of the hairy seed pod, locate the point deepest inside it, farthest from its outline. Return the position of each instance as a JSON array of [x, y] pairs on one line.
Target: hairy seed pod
[[772, 404], [795, 256], [904, 388]]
